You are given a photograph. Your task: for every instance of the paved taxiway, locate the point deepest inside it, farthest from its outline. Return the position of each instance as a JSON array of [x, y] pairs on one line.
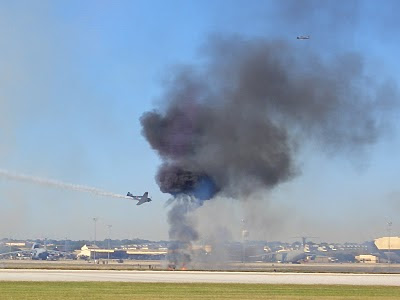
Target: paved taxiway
[[195, 276]]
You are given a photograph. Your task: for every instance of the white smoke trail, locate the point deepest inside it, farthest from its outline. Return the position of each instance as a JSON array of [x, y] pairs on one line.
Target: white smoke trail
[[58, 184]]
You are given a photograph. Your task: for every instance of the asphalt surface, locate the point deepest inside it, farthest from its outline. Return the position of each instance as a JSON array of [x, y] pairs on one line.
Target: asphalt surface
[[195, 276], [157, 265]]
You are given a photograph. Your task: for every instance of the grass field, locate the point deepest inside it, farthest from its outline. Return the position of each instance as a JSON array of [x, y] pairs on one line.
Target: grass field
[[116, 290]]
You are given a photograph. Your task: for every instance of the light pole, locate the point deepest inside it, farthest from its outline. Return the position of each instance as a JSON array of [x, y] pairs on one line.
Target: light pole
[[109, 241], [94, 244], [245, 234], [389, 229]]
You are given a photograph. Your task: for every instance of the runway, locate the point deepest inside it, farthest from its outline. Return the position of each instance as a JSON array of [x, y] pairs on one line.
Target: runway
[[199, 277]]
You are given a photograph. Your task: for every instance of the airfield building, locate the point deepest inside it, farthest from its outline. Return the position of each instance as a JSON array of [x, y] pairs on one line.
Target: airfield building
[[389, 247], [367, 258], [388, 243], [92, 251]]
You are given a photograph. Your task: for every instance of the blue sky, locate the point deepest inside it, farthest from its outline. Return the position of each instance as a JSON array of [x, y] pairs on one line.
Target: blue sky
[[75, 77]]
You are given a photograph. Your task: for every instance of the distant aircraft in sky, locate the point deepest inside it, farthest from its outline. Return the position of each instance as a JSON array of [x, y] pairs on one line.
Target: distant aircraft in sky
[[142, 199], [303, 37]]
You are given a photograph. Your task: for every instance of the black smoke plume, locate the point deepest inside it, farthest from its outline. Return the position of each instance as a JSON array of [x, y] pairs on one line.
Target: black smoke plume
[[234, 123], [182, 231]]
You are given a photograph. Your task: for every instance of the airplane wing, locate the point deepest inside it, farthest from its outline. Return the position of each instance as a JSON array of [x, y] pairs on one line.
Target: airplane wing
[[15, 252], [143, 200]]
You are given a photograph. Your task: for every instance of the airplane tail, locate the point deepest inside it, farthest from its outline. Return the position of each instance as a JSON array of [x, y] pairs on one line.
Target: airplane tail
[[129, 194]]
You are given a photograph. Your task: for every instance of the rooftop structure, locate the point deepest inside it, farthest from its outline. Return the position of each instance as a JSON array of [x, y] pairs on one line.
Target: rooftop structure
[[388, 243]]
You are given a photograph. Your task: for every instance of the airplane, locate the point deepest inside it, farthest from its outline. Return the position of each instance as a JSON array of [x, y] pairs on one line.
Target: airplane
[[142, 199], [284, 256], [303, 37], [36, 252]]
